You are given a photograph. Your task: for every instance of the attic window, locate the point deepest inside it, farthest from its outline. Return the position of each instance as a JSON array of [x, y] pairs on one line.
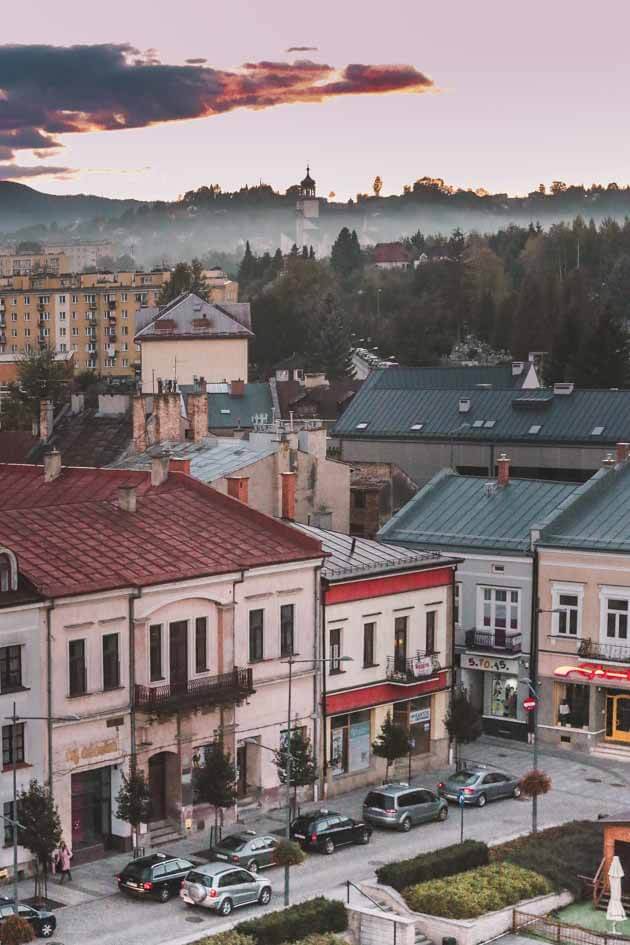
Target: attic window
[[416, 426], [477, 423], [225, 410], [361, 426], [535, 428], [489, 424], [597, 431]]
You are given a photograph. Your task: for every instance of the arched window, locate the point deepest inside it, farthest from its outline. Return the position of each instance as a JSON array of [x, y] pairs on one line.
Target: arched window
[[8, 571]]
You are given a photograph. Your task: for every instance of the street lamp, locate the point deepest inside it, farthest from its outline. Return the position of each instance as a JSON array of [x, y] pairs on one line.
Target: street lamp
[[14, 718], [290, 661]]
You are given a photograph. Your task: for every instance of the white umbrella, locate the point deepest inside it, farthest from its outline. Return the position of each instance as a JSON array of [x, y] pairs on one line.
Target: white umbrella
[[615, 911]]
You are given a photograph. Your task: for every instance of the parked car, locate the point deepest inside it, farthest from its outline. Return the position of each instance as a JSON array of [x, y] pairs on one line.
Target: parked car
[[42, 922], [222, 888], [479, 785], [246, 849], [324, 830], [157, 876], [401, 806]]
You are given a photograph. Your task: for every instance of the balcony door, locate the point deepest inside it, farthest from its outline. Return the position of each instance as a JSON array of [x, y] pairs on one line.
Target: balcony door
[[400, 644], [178, 649]]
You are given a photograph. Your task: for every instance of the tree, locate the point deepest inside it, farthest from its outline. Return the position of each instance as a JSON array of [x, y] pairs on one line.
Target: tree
[[133, 803], [39, 831], [391, 743], [40, 377], [303, 771], [288, 853], [534, 784], [329, 348], [462, 721], [198, 282], [345, 256], [214, 781], [184, 278], [29, 246], [604, 356], [16, 930]]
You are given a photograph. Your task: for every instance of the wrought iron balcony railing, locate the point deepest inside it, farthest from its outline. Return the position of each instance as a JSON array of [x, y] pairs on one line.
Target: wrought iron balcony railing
[[409, 670], [226, 689], [494, 640], [612, 652]]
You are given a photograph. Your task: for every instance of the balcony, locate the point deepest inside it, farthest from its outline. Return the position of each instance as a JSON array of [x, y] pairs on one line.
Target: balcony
[[407, 671], [494, 640], [227, 689], [609, 652]]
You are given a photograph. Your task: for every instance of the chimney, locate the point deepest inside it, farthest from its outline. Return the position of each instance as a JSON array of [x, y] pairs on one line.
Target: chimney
[[288, 495], [237, 388], [127, 498], [238, 487], [159, 469], [180, 464], [166, 408], [46, 417], [77, 403], [621, 452], [52, 465], [139, 425], [503, 466], [198, 414]]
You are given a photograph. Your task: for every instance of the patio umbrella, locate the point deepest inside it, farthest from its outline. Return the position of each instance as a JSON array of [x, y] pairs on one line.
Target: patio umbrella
[[615, 911]]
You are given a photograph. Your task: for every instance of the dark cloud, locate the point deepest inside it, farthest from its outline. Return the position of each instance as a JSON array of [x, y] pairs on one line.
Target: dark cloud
[[15, 172], [302, 49], [51, 90], [196, 62]]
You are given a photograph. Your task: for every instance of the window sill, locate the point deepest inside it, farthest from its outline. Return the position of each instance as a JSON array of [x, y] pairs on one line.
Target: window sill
[[14, 689], [112, 688], [370, 665], [79, 695], [19, 766], [336, 672]]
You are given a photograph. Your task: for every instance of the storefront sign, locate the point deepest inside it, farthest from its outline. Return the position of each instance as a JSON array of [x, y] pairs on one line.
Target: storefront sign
[[594, 671], [491, 664], [419, 715]]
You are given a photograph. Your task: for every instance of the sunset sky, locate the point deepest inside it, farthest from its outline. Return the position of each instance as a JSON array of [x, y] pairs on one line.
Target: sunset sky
[[493, 94]]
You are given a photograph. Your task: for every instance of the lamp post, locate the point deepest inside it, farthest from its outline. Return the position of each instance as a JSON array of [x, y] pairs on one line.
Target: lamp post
[[14, 718], [290, 662]]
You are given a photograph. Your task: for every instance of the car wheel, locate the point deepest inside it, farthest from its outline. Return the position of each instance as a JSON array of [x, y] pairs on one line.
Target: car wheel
[[517, 791], [364, 837], [226, 907], [252, 866], [165, 894], [46, 930], [405, 825], [329, 846], [443, 813], [481, 800], [265, 896]]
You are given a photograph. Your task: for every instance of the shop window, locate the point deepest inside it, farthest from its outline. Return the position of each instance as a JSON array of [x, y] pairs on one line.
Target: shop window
[[573, 704], [12, 745], [77, 668], [155, 652], [616, 619], [501, 696], [368, 644], [201, 645], [287, 620], [415, 716], [335, 650], [350, 742], [256, 635]]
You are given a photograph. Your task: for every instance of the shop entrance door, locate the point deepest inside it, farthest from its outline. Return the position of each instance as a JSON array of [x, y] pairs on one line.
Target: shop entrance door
[[618, 718], [157, 786], [91, 808]]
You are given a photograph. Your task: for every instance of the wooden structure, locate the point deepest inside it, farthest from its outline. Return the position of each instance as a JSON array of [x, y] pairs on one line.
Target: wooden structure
[[616, 843]]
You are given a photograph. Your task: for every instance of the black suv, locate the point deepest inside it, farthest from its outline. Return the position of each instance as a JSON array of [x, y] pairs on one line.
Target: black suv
[[325, 830], [157, 876]]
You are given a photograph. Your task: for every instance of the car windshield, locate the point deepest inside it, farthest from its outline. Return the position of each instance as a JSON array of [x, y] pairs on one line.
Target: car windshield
[[232, 842], [381, 801], [202, 878], [464, 777]]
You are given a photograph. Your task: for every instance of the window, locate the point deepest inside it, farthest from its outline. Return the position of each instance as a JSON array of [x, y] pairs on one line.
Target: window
[[256, 634], [111, 661], [155, 652], [12, 745], [457, 603], [572, 704], [124, 330], [359, 498], [10, 668], [477, 423], [431, 619], [77, 667], [287, 619], [368, 644], [201, 645], [616, 619], [416, 426], [489, 424], [361, 426], [500, 608], [568, 612], [9, 815], [335, 650], [597, 431]]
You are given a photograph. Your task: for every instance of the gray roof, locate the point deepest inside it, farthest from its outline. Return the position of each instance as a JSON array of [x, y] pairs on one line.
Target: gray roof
[[210, 459], [392, 403], [456, 512], [596, 516], [188, 316], [454, 377], [352, 557]]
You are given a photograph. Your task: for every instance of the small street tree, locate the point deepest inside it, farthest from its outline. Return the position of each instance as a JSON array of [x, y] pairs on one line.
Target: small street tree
[[462, 721], [303, 770], [288, 853], [16, 930], [39, 831], [133, 802], [214, 780], [391, 743]]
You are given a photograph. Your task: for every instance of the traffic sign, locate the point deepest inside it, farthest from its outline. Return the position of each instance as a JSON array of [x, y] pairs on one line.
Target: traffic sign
[[529, 704]]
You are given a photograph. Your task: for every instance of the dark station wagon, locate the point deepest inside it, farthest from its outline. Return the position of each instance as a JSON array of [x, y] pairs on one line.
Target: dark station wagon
[[324, 830]]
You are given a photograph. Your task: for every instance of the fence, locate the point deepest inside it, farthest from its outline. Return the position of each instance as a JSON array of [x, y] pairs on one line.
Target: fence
[[559, 932]]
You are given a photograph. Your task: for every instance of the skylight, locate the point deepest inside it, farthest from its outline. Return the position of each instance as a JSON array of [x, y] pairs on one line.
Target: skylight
[[477, 423], [597, 431], [535, 428], [361, 426], [225, 410], [416, 426], [489, 424]]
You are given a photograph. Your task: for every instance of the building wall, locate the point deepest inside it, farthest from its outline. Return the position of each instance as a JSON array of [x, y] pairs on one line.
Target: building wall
[[216, 359]]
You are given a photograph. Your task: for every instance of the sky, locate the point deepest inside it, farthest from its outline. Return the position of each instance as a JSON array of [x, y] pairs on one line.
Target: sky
[[495, 94]]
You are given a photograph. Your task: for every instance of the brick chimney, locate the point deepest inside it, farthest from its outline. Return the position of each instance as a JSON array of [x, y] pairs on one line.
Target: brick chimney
[[180, 464], [159, 469], [288, 480], [127, 498], [139, 424], [46, 419], [238, 487], [237, 388], [621, 452], [52, 465], [167, 412], [198, 414], [503, 467]]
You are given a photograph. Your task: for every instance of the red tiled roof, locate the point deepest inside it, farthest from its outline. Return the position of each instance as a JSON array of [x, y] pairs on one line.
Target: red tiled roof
[[70, 537], [391, 252]]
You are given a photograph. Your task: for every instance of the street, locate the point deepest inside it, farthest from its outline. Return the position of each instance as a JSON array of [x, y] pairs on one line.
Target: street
[[96, 912]]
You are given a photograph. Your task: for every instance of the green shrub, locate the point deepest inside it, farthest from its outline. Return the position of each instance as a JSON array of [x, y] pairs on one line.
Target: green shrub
[[444, 862], [16, 931], [297, 922], [231, 937], [288, 853], [477, 891], [561, 854]]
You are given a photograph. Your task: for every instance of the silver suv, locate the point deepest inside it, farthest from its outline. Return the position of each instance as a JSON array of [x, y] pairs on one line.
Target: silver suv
[[222, 888], [401, 806]]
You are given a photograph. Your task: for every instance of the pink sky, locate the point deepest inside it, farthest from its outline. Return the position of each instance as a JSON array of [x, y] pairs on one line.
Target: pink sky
[[527, 93]]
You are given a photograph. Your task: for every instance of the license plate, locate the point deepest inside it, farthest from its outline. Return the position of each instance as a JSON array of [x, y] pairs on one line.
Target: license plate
[[221, 856], [300, 836]]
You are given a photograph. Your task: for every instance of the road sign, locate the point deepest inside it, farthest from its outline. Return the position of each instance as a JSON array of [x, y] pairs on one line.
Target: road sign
[[529, 704]]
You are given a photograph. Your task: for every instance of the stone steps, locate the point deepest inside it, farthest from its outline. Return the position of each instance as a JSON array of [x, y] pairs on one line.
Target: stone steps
[[612, 750], [162, 832]]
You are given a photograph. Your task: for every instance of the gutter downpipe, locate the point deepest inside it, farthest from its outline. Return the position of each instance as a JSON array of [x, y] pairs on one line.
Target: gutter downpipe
[[453, 680], [135, 595], [533, 669], [49, 609]]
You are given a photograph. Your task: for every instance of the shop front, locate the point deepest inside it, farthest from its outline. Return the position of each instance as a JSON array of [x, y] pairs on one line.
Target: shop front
[[91, 811], [350, 742], [497, 691], [414, 715]]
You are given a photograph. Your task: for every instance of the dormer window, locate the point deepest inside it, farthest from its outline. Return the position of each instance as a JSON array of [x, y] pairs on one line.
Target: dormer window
[[8, 571]]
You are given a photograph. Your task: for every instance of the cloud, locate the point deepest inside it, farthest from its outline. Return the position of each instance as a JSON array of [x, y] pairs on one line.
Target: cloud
[[16, 172], [52, 90], [302, 49], [196, 62]]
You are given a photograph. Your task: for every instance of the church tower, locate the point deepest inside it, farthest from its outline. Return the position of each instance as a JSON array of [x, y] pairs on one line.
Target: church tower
[[307, 215]]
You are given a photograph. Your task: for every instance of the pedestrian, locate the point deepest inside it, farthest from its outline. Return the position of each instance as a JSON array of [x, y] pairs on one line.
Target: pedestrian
[[64, 856]]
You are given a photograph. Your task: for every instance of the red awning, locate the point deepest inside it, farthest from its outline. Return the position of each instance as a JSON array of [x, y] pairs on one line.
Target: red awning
[[381, 694]]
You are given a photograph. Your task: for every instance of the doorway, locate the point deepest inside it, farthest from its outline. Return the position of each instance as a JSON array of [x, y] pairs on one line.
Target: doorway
[[622, 850], [178, 654], [91, 808], [241, 767], [618, 717], [157, 786]]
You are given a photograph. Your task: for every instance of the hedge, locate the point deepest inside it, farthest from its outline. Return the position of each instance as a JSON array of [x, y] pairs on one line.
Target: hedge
[[444, 862], [297, 922], [232, 937], [477, 891]]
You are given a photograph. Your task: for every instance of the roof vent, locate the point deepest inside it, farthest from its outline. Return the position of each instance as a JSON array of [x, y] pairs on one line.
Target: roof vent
[[490, 488], [464, 404], [564, 387]]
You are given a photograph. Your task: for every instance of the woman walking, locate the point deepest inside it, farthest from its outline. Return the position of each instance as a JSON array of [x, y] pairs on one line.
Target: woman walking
[[64, 856]]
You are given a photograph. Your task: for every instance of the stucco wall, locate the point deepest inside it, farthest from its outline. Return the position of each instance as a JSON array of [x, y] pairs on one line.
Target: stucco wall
[[220, 359]]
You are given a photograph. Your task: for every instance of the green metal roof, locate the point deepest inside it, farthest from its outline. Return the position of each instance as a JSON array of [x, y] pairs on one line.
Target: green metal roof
[[596, 517], [228, 412], [394, 404], [467, 512], [454, 377]]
